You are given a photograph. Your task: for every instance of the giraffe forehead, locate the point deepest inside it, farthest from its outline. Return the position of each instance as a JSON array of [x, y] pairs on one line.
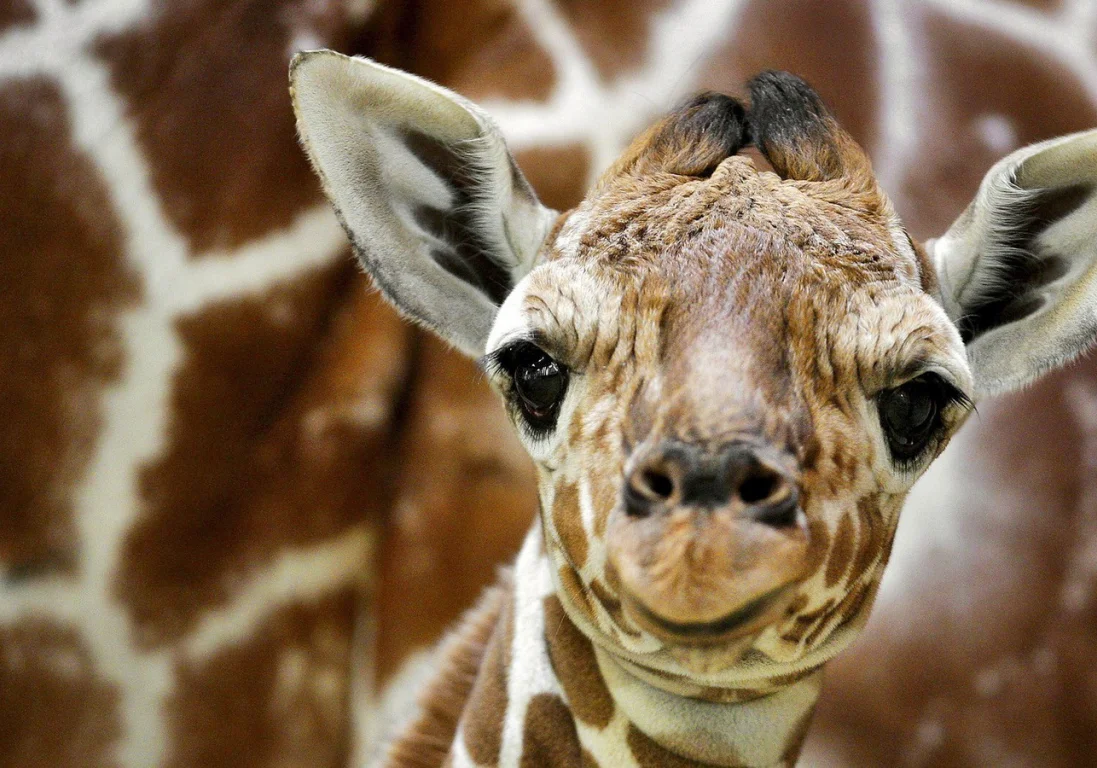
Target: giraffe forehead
[[630, 217], [740, 292]]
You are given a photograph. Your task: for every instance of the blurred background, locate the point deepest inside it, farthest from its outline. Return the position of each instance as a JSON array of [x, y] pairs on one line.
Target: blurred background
[[239, 496]]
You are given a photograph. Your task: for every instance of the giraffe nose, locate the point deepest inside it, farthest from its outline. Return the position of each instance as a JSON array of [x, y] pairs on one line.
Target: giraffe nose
[[678, 474]]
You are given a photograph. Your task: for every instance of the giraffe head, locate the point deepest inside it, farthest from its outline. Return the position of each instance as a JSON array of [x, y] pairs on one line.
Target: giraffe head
[[728, 377]]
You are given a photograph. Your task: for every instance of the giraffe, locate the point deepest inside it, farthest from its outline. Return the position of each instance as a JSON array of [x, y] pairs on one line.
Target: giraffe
[[238, 515], [728, 377]]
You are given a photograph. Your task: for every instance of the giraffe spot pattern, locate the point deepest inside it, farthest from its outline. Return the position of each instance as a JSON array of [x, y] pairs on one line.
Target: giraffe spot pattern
[[568, 523], [241, 406], [55, 708], [841, 551], [427, 739], [161, 70], [291, 670], [559, 174], [871, 536], [481, 49], [466, 497], [482, 725], [577, 670], [60, 346], [15, 12], [573, 587], [549, 738], [649, 754]]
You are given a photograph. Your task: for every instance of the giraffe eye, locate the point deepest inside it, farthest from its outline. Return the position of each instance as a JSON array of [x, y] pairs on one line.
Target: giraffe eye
[[539, 383], [911, 414]]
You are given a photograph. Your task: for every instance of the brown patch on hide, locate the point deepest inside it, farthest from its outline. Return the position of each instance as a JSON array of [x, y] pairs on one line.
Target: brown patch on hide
[[573, 587], [604, 492], [613, 604], [818, 545], [14, 12], [470, 687], [588, 760], [831, 45], [1049, 6], [614, 33], [468, 496], [871, 531], [841, 551], [649, 754], [482, 725], [559, 174], [549, 739], [567, 520], [281, 414], [279, 697], [55, 708], [481, 49], [576, 668], [804, 623], [853, 602], [64, 281], [205, 85], [977, 74]]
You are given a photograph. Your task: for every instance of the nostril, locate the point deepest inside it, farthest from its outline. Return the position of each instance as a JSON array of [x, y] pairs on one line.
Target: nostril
[[656, 484], [775, 501], [758, 488], [781, 514]]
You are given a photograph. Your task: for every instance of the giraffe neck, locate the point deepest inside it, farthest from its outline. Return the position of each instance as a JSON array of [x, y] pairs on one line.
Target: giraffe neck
[[560, 688]]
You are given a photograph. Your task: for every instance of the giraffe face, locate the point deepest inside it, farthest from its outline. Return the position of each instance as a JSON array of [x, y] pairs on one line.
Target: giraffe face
[[729, 382]]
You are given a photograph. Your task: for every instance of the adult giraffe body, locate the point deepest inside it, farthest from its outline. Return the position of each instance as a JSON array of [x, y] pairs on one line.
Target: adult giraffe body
[[727, 378]]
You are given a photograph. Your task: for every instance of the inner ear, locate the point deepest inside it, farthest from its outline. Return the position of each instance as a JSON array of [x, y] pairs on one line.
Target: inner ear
[[1026, 262], [1017, 270], [422, 181], [461, 248]]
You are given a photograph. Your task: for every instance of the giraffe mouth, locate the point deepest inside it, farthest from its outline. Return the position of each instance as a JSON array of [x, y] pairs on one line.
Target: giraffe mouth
[[744, 620]]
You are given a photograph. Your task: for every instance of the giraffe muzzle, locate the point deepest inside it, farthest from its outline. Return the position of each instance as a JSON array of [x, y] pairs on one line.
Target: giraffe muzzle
[[708, 542]]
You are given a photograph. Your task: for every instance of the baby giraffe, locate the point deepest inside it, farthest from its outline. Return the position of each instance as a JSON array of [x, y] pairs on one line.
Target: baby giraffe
[[728, 378]]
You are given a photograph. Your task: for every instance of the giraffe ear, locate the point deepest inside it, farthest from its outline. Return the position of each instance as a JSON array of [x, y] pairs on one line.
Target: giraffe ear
[[421, 180], [1018, 269]]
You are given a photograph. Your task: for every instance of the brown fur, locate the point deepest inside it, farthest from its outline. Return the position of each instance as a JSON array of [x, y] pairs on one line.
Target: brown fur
[[650, 755], [290, 670], [573, 661], [549, 738], [482, 724], [60, 345], [266, 484], [16, 12], [647, 230], [466, 496], [426, 741], [55, 709]]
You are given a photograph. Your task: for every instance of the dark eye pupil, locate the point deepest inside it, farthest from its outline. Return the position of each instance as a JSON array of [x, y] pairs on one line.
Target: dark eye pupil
[[540, 382], [909, 408], [909, 414]]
